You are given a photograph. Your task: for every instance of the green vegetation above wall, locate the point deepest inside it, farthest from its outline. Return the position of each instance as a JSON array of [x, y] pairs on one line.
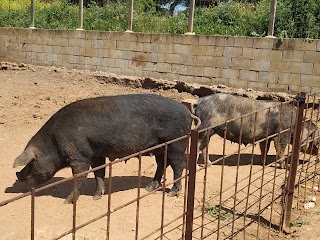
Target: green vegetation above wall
[[294, 19]]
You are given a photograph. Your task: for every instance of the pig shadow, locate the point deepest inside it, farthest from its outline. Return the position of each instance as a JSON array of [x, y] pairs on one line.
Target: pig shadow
[[62, 190], [245, 159]]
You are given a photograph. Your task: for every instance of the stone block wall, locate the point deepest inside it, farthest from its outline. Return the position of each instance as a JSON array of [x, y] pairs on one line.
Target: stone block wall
[[263, 64]]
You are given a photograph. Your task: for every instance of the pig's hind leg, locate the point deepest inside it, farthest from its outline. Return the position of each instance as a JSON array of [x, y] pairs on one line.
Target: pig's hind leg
[[99, 176]]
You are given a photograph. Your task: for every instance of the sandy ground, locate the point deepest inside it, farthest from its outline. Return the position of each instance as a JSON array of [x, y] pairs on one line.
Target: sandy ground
[[30, 95]]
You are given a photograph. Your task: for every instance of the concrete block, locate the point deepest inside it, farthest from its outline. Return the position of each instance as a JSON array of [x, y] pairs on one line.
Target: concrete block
[[211, 72], [237, 83], [230, 73], [276, 87], [310, 80], [259, 65], [248, 75], [252, 53], [202, 80], [207, 40], [167, 48], [151, 47], [115, 70], [191, 40], [289, 78], [225, 41], [244, 42], [263, 43], [76, 51], [110, 44], [195, 71], [134, 46], [218, 80], [294, 89], [123, 45], [301, 67], [172, 58], [222, 62], [91, 52], [293, 55], [271, 55], [122, 63], [186, 78], [116, 53], [104, 53], [316, 69], [197, 50], [311, 56], [143, 37], [303, 44], [258, 86], [268, 77], [204, 61], [179, 69], [163, 67], [280, 66], [233, 52], [240, 63], [214, 51]]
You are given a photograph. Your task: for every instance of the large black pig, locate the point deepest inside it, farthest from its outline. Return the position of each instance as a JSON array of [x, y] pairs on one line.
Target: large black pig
[[85, 132], [214, 110]]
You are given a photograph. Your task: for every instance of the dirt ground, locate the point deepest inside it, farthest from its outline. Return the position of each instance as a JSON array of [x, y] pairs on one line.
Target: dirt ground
[[29, 95]]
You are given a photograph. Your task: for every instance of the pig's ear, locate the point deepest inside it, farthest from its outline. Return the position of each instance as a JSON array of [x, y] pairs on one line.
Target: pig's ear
[[24, 158]]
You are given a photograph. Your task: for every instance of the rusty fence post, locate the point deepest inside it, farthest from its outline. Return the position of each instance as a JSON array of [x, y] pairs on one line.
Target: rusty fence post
[[191, 183], [33, 195], [294, 158]]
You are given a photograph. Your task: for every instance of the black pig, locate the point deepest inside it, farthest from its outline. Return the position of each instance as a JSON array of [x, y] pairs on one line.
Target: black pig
[[85, 132]]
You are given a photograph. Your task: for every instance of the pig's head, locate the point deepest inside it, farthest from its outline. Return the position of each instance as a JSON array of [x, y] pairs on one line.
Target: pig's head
[[38, 168], [310, 138]]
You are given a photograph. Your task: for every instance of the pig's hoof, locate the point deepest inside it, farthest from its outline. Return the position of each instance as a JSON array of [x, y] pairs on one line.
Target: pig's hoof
[[152, 186], [68, 201], [173, 194], [97, 197]]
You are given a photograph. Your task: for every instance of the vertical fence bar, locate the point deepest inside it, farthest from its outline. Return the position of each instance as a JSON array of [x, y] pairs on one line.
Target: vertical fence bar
[[130, 17], [138, 196], [186, 190], [272, 16], [109, 202], [263, 158], [191, 183], [222, 174], [74, 202], [250, 176], [191, 16], [32, 13], [32, 212], [206, 158], [294, 158], [237, 178], [80, 15], [275, 169], [164, 186]]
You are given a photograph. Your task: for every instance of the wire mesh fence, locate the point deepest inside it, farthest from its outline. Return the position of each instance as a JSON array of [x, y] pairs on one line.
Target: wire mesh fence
[[239, 190]]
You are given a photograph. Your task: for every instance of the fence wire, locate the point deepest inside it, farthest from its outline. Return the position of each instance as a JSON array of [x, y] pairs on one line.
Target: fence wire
[[236, 192]]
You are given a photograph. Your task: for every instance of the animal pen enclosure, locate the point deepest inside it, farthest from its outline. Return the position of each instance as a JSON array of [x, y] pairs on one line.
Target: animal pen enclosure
[[255, 203]]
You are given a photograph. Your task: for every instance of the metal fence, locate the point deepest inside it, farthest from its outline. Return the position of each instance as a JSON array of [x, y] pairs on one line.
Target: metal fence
[[237, 194]]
